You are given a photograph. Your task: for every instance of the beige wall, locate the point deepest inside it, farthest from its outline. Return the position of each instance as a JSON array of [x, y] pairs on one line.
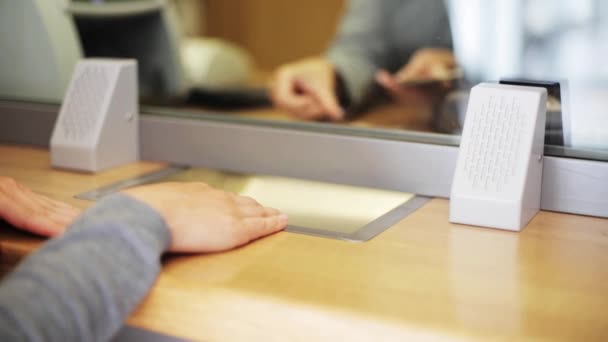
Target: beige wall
[[274, 31]]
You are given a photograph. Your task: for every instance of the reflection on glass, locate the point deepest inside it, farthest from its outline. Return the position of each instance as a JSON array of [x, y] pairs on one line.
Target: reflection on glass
[[393, 64], [406, 65]]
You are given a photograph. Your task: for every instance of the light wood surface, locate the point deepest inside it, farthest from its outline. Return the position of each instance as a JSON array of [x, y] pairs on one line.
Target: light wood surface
[[423, 279]]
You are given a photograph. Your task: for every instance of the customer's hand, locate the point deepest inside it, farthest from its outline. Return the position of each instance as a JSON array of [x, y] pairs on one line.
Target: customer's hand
[[204, 219], [425, 65], [307, 90], [32, 212]]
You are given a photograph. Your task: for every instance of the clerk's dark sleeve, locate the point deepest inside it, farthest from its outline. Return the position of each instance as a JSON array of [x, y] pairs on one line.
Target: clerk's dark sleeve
[[383, 34]]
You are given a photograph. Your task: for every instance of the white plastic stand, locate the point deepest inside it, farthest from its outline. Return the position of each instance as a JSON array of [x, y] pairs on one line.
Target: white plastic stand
[[498, 174], [97, 126]]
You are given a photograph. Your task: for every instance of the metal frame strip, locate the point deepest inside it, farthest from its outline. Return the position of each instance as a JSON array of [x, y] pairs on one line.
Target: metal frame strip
[[575, 186]]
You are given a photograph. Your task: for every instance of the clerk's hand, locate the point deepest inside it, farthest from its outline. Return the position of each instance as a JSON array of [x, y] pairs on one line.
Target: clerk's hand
[[307, 89], [33, 212], [428, 64], [204, 219]]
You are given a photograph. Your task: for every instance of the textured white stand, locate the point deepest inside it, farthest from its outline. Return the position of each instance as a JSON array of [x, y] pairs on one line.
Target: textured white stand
[[97, 126], [498, 174]]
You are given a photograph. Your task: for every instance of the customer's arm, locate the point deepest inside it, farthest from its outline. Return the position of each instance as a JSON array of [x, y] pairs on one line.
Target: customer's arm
[[82, 285]]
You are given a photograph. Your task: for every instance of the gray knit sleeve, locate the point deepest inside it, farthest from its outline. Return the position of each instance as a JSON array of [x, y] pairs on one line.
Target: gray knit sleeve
[[82, 285]]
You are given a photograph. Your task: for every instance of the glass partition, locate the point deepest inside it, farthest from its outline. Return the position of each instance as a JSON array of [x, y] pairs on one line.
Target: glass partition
[[400, 70]]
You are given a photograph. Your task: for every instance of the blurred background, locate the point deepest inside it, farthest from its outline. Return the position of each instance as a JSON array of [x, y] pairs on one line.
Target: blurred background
[[273, 31], [222, 58]]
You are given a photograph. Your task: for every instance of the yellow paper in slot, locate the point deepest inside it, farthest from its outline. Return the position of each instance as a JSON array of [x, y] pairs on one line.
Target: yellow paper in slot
[[319, 205]]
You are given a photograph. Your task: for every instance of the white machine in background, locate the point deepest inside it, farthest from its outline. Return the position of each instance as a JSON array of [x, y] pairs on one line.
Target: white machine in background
[[39, 48], [42, 40], [212, 63], [498, 175]]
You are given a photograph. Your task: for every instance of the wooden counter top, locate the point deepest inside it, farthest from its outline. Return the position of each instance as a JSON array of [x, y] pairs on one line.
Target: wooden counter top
[[423, 279]]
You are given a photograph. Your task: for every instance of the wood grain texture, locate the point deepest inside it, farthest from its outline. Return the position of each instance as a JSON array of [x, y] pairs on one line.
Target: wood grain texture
[[422, 279]]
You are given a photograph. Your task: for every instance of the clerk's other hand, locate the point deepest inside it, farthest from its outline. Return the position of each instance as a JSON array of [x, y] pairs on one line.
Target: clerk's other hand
[[425, 65], [307, 89], [205, 219], [33, 212]]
